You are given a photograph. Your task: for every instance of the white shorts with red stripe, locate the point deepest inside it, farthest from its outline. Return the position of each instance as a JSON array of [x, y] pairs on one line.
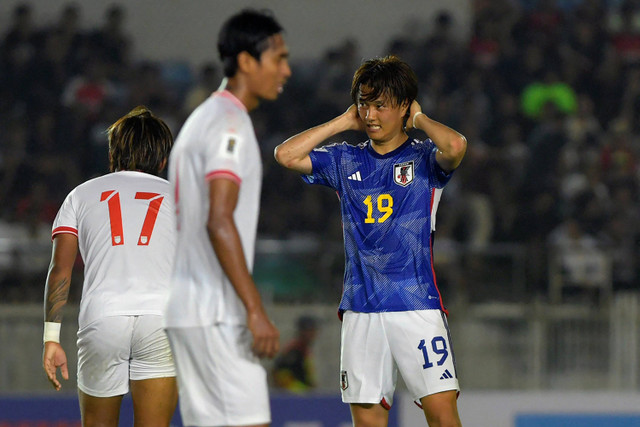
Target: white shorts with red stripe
[[375, 346]]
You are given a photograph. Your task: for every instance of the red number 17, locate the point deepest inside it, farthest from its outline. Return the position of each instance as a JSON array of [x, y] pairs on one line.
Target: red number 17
[[115, 216]]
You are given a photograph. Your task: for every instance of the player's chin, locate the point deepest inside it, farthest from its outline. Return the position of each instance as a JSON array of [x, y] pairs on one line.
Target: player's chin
[[273, 94], [372, 133]]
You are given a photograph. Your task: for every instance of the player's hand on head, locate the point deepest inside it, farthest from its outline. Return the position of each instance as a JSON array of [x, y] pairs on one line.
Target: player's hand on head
[[414, 109], [353, 120], [53, 358], [266, 337]]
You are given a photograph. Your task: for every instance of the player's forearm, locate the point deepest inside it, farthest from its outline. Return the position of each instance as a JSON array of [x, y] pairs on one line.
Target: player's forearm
[[227, 245], [56, 293], [451, 144], [292, 153]]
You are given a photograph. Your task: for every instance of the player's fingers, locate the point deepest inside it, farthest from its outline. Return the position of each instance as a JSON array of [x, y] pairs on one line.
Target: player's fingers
[[274, 346], [266, 347], [49, 369], [64, 370], [54, 381], [258, 346]]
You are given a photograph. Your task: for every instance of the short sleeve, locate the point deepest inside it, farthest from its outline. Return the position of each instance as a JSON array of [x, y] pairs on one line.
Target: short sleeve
[[66, 220], [227, 146], [440, 176], [325, 161]]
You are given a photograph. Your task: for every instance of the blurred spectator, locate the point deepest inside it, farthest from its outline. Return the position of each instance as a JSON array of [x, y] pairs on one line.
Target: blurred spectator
[[15, 167], [18, 49], [334, 77], [549, 90], [624, 25], [621, 245], [209, 80], [294, 368], [86, 93], [576, 260], [111, 43]]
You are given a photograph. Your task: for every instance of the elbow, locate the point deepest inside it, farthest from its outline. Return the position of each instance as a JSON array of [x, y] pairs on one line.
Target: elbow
[[276, 154], [279, 155], [215, 228], [220, 226], [284, 158], [459, 147]]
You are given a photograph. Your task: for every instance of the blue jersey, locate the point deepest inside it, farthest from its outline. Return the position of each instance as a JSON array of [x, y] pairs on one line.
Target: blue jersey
[[388, 205]]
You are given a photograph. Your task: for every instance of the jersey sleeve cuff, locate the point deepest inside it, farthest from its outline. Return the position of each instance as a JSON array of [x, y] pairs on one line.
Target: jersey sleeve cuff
[[223, 174], [64, 230]]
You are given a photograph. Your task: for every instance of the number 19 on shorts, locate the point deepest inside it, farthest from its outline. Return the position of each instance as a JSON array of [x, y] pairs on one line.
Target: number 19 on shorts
[[438, 348]]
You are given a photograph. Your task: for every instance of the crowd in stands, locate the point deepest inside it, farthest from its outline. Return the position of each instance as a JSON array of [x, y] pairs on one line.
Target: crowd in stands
[[547, 93]]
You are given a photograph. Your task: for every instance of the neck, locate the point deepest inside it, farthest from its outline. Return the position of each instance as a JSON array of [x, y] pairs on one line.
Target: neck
[[239, 89], [387, 146]]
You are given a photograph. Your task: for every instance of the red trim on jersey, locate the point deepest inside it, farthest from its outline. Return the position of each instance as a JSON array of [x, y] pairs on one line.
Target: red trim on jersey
[[433, 271], [385, 404], [224, 174], [226, 94], [63, 230]]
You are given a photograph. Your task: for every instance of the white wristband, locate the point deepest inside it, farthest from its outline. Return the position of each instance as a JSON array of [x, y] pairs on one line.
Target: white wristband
[[51, 332], [414, 118]]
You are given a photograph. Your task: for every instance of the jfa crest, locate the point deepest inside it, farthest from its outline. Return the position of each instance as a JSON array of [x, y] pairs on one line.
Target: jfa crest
[[403, 173], [344, 380]]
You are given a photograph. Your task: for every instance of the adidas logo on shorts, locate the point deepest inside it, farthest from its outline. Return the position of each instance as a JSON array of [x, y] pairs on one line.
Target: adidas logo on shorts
[[447, 375]]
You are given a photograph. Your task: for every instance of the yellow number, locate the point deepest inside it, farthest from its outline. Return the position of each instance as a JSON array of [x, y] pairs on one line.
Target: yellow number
[[369, 219], [385, 206]]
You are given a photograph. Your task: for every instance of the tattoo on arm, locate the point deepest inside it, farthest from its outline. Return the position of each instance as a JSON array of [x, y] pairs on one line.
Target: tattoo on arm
[[57, 296]]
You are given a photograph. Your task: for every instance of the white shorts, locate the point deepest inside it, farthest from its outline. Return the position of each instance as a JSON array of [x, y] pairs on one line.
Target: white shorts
[[376, 345], [220, 381], [116, 349]]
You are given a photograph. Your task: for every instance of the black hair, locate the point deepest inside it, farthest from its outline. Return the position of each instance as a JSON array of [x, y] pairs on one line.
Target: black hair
[[388, 76], [248, 31], [139, 141]]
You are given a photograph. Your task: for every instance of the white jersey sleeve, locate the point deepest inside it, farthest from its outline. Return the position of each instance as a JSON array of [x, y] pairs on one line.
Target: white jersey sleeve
[[65, 221], [227, 147]]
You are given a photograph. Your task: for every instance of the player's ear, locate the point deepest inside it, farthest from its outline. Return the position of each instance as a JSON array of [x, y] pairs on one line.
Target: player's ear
[[245, 61], [407, 106], [162, 165]]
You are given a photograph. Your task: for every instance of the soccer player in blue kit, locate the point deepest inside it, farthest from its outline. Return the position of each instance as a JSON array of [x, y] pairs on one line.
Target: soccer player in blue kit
[[389, 188]]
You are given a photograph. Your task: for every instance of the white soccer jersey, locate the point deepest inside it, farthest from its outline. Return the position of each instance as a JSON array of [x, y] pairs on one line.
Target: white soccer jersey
[[125, 223], [216, 141]]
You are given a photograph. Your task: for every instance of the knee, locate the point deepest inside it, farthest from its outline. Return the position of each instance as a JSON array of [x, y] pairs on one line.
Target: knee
[[369, 416], [444, 419]]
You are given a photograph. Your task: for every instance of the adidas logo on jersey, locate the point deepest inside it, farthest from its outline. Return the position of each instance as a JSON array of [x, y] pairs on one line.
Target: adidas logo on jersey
[[355, 176], [447, 375]]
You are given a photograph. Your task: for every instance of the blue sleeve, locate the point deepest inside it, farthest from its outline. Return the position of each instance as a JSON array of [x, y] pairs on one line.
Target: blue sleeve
[[439, 175], [324, 163]]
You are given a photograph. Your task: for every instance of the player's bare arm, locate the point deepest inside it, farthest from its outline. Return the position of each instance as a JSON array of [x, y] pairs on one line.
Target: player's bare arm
[[65, 249], [294, 152], [224, 236], [451, 144]]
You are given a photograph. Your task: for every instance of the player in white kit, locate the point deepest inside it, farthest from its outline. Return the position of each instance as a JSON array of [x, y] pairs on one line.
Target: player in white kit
[[216, 322], [124, 225]]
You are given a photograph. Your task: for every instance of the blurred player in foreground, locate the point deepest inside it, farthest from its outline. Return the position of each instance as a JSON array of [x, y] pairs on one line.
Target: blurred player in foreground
[[124, 225], [389, 188], [216, 322]]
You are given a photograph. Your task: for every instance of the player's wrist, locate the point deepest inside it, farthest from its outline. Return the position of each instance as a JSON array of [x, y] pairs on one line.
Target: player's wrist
[[51, 332], [415, 116]]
